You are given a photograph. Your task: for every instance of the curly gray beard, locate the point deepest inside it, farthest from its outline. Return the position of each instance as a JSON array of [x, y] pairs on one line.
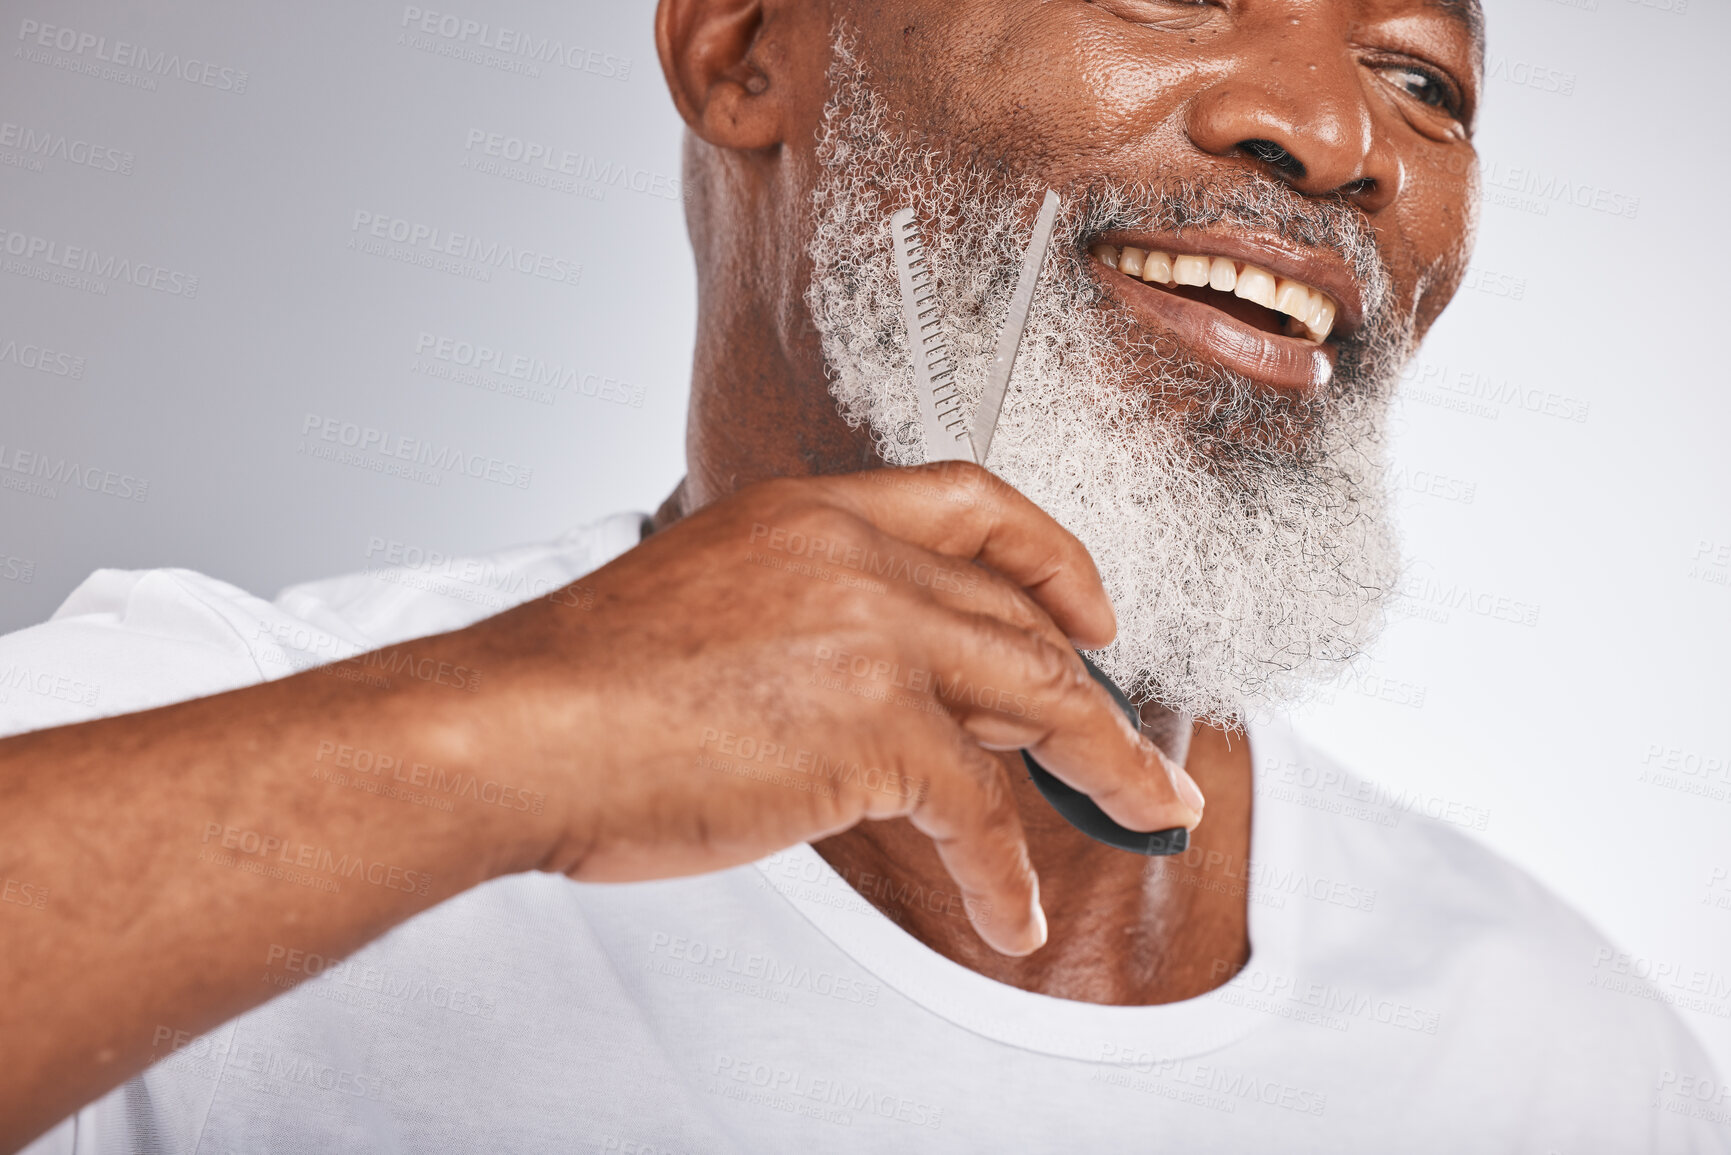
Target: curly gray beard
[[1242, 534]]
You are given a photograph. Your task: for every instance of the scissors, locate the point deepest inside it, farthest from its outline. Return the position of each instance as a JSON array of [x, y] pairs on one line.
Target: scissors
[[951, 437]]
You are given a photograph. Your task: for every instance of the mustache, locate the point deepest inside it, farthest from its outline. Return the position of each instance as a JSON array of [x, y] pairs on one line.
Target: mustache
[[978, 209], [1240, 199]]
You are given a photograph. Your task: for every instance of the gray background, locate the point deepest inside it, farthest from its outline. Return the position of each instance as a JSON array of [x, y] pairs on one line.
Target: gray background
[[1557, 681]]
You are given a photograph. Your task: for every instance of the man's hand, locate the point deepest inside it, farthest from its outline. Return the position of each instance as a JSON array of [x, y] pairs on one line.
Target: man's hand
[[809, 653], [797, 658]]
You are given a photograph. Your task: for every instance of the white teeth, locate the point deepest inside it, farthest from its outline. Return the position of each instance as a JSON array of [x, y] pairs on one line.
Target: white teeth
[[1309, 312], [1157, 268], [1256, 285], [1321, 320], [1292, 298], [1222, 274], [1190, 270]]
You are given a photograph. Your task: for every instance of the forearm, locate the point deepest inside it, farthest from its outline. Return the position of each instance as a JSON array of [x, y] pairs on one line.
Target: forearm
[[159, 863], [661, 720]]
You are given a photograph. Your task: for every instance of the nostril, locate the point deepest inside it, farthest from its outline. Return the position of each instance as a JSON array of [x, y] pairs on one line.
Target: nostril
[[1275, 157], [1359, 187]]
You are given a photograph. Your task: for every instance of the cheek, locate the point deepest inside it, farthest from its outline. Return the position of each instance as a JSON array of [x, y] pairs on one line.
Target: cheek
[[1430, 242], [1054, 98]]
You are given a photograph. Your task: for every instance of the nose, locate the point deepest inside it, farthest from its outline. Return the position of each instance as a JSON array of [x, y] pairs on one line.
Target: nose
[[1311, 128]]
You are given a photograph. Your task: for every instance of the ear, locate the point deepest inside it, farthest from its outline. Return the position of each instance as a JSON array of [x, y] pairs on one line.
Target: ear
[[711, 53]]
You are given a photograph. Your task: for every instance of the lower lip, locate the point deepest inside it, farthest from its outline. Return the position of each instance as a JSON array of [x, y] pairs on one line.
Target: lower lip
[[1271, 359]]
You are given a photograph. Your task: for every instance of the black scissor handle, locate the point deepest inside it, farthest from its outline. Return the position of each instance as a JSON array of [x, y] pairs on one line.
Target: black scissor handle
[[1079, 810]]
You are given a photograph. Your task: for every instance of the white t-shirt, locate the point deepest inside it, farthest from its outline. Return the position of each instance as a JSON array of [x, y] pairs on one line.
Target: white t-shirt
[[1407, 990]]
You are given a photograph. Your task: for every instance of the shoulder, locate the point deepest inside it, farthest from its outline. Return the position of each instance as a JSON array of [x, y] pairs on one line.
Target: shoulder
[[1509, 969], [127, 640], [410, 592]]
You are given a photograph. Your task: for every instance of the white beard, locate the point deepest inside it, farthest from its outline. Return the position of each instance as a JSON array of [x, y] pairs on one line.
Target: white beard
[[1243, 537]]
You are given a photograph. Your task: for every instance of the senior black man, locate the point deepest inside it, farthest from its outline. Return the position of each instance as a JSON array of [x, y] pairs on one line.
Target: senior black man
[[781, 715]]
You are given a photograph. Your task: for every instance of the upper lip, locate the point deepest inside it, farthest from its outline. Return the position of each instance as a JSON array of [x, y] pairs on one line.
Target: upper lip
[[1319, 268]]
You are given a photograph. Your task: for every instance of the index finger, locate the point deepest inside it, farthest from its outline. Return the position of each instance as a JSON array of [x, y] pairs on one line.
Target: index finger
[[959, 509]]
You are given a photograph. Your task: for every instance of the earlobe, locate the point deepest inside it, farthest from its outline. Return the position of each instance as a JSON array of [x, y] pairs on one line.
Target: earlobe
[[712, 56]]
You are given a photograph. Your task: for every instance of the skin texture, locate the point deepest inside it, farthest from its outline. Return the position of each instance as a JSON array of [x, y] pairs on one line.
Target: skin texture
[[662, 711], [1125, 88], [667, 710]]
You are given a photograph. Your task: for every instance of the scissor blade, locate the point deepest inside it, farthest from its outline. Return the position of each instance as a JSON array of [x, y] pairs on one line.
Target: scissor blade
[[1010, 337], [934, 372]]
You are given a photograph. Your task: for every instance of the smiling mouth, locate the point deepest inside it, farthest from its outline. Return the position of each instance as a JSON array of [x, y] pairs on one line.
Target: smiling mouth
[[1240, 315], [1246, 292]]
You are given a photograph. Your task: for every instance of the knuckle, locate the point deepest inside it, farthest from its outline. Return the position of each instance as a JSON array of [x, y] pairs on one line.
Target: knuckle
[[1010, 602], [911, 779], [997, 805], [1026, 609], [1053, 671], [815, 520], [776, 493]]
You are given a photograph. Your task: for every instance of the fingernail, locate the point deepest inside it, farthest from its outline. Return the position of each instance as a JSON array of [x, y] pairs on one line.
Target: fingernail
[[1188, 792], [1038, 915]]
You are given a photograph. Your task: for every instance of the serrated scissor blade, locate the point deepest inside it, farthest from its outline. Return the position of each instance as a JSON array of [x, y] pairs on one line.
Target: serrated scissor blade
[[934, 372]]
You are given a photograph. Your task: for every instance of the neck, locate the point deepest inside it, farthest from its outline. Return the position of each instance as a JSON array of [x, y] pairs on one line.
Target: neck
[[1124, 929]]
